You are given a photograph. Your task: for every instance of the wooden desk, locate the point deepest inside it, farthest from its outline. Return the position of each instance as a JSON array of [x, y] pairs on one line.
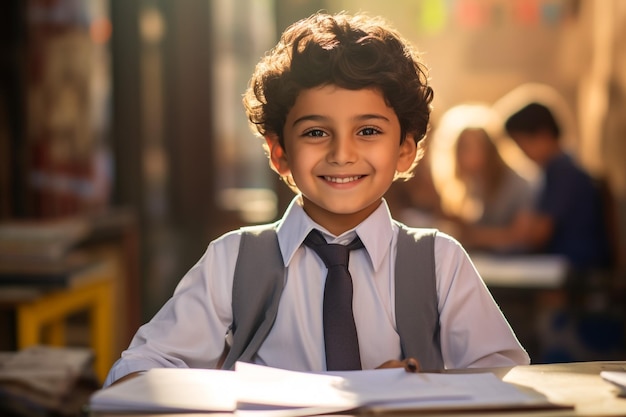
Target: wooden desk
[[578, 384], [575, 384]]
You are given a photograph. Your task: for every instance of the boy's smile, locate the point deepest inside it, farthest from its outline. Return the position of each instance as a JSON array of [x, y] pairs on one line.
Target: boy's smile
[[342, 149]]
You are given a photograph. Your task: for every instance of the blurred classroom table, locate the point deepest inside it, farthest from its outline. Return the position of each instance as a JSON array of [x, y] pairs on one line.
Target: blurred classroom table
[[522, 271], [51, 271], [46, 295], [559, 314]]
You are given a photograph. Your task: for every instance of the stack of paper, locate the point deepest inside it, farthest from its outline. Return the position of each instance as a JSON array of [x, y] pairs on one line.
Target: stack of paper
[[263, 390]]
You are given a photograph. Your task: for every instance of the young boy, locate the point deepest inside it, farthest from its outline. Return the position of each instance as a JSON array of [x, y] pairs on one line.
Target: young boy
[[343, 104]]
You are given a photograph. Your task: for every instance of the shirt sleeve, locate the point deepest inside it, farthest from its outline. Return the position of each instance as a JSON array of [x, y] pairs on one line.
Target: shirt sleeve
[[189, 330], [474, 332]]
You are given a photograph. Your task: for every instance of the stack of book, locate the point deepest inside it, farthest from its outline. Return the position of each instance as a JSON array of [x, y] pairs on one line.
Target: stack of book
[[46, 381]]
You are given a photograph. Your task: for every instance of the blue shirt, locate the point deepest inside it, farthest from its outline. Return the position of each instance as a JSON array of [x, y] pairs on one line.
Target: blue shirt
[[572, 200]]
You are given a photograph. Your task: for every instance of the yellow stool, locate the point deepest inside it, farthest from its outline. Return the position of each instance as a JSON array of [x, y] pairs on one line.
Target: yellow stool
[[91, 290]]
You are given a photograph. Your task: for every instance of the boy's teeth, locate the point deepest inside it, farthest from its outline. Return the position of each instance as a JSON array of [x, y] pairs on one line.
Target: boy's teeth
[[342, 180]]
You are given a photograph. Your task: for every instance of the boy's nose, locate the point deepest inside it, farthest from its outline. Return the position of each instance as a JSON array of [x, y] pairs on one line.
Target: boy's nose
[[342, 150]]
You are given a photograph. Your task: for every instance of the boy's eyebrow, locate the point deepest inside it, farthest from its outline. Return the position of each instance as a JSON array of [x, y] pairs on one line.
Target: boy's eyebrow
[[319, 117]]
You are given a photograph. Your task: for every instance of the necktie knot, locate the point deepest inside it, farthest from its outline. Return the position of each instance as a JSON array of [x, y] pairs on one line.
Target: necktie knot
[[332, 254]]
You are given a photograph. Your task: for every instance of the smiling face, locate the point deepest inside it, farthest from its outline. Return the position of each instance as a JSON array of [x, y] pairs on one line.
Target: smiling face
[[342, 149]]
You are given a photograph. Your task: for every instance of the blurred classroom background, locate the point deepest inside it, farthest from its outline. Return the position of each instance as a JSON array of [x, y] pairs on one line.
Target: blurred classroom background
[[124, 149]]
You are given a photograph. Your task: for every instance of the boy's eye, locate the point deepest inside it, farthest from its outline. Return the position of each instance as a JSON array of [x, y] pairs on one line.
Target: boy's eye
[[315, 133], [369, 131]]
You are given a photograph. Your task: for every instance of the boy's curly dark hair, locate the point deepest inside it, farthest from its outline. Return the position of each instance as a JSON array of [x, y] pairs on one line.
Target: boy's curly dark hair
[[352, 52]]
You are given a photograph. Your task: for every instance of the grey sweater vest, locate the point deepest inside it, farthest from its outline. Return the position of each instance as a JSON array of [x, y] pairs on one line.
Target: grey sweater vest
[[260, 276]]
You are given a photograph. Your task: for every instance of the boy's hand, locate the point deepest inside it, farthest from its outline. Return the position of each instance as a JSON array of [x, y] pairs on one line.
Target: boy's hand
[[411, 365]]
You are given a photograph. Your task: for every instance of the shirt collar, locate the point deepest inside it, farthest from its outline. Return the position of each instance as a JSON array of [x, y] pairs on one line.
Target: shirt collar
[[376, 232]]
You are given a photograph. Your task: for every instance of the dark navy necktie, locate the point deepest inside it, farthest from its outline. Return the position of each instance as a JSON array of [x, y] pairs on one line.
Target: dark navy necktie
[[340, 337]]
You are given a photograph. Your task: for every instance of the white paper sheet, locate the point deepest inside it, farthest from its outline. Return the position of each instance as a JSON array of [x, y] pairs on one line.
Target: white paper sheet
[[254, 391], [270, 386], [171, 390], [617, 378]]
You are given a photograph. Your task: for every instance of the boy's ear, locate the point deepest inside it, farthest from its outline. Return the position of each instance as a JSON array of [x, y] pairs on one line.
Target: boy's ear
[[407, 154], [277, 155]]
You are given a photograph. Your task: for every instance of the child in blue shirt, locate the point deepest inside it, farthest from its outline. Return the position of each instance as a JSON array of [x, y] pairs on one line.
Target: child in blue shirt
[[567, 216], [343, 105]]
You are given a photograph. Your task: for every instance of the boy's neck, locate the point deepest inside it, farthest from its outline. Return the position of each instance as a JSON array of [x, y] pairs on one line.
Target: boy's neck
[[551, 150], [338, 223]]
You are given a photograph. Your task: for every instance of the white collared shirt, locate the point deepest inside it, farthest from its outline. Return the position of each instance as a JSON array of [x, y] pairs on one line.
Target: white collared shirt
[[189, 329]]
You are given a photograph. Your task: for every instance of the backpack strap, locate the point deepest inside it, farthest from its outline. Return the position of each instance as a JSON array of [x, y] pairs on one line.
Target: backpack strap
[[417, 311], [255, 295]]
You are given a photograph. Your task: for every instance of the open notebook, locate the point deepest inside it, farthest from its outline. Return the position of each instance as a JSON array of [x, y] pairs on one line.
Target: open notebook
[[255, 389]]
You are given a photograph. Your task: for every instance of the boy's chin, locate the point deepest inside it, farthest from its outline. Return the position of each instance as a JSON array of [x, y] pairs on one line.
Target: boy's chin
[[349, 211]]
